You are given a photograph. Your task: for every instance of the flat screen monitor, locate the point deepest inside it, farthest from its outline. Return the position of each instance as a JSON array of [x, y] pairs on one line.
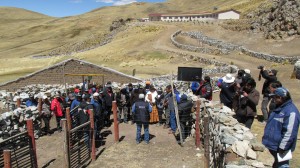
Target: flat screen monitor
[[189, 74]]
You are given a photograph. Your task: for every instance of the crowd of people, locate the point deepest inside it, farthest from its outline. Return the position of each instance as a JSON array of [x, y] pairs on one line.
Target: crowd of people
[[280, 115], [149, 105]]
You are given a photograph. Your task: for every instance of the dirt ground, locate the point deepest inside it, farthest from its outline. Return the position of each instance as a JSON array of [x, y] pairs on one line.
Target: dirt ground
[[163, 150]]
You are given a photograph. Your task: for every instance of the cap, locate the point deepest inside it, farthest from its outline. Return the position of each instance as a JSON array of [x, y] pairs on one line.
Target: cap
[[247, 71], [141, 96], [96, 94], [281, 91]]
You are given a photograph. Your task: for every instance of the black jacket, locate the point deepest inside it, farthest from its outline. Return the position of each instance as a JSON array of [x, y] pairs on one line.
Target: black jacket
[[268, 80], [142, 114], [184, 110]]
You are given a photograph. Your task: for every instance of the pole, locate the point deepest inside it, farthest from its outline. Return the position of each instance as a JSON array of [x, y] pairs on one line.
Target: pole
[[65, 143], [7, 158], [93, 151], [40, 102], [176, 111], [18, 103], [116, 124], [68, 117], [197, 125], [30, 130]]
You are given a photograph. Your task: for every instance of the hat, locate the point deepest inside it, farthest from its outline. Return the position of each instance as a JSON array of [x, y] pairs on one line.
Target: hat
[[247, 71], [141, 96], [44, 97], [281, 91], [96, 94], [228, 78]]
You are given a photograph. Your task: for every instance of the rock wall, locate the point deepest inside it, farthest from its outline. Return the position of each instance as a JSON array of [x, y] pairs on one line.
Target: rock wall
[[278, 20], [55, 75], [227, 143], [297, 69], [226, 48]]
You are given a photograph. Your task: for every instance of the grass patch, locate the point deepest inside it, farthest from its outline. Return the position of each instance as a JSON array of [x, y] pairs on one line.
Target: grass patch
[[154, 55]]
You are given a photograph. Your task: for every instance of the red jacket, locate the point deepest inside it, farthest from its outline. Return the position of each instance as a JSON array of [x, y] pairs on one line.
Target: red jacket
[[56, 108]]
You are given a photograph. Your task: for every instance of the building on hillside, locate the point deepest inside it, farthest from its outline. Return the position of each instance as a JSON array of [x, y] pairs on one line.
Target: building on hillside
[[55, 75], [186, 17]]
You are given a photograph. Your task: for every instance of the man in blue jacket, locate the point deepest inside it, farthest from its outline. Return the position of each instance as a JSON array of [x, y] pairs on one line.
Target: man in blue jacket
[[281, 130]]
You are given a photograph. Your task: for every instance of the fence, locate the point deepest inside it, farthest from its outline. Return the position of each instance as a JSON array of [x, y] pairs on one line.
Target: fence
[[79, 142], [19, 150]]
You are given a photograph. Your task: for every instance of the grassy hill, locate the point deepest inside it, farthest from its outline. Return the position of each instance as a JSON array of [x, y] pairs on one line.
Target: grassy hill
[[24, 33]]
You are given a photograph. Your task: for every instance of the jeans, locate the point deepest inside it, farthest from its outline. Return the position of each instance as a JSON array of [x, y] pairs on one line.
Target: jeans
[[264, 107], [167, 111], [139, 130], [160, 112], [58, 122], [123, 110], [46, 119], [185, 130], [276, 164], [173, 121]]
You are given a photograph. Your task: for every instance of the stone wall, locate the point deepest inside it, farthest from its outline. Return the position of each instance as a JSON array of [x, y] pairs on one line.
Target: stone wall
[[228, 143], [225, 48], [55, 75], [297, 70]]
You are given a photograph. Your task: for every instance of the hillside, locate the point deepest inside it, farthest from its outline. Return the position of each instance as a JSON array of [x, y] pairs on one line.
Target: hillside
[[25, 34]]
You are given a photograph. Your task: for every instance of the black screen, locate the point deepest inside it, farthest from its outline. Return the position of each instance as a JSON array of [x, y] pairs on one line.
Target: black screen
[[189, 74]]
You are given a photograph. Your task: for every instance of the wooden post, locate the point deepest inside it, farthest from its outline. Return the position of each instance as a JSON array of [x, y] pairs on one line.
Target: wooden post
[[7, 158], [40, 104], [68, 117], [18, 103], [93, 144], [30, 130], [197, 124], [116, 123], [65, 143], [176, 111]]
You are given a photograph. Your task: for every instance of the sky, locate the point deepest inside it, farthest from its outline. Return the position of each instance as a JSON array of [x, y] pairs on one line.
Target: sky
[[62, 8]]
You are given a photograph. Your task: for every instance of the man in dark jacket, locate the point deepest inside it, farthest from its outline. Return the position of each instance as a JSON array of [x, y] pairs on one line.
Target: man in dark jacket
[[227, 90], [281, 130], [205, 90], [108, 97], [169, 104], [122, 103], [141, 110], [248, 100], [270, 77], [184, 111]]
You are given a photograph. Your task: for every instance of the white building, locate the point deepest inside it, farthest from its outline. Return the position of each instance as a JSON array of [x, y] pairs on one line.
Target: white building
[[185, 17]]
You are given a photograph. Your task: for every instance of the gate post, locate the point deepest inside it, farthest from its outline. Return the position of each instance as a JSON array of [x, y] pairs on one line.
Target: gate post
[[68, 117], [116, 124], [18, 102], [197, 125], [40, 102], [30, 130], [7, 158], [92, 129], [66, 143]]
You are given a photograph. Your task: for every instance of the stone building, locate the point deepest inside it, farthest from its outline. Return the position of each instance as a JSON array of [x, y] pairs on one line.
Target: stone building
[[55, 75]]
